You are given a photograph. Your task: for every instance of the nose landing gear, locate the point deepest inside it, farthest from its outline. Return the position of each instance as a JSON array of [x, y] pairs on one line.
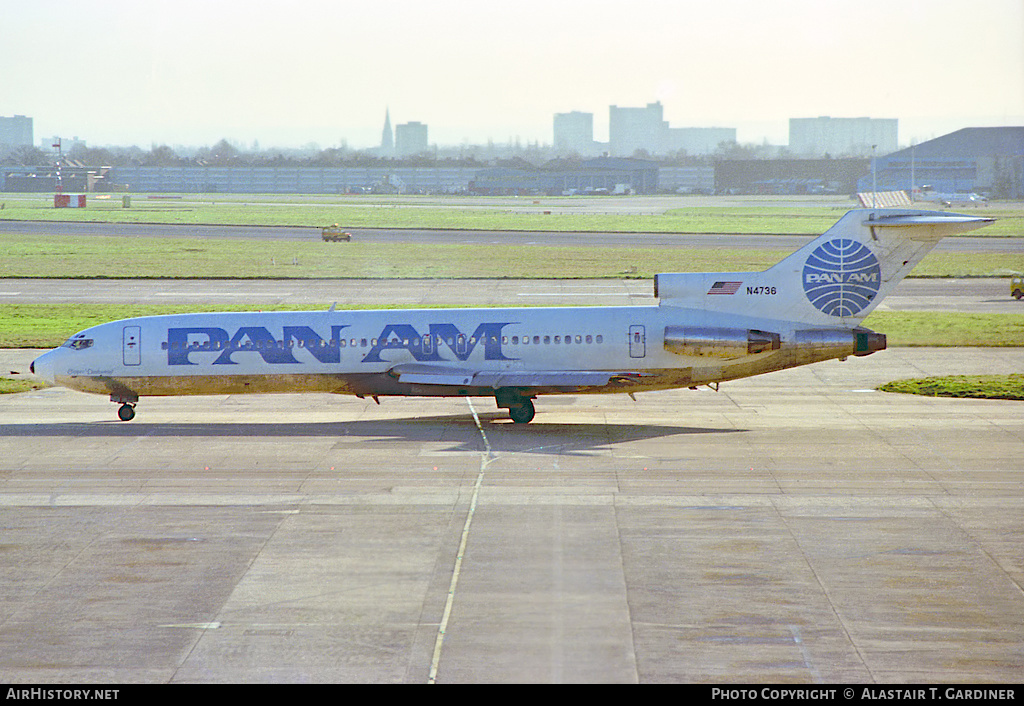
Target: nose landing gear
[[126, 412]]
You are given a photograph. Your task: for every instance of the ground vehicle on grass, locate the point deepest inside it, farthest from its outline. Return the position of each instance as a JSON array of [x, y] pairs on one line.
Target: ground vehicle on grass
[[334, 234]]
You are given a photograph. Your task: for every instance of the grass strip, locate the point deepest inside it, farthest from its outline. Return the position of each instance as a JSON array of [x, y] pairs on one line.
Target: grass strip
[[176, 258], [948, 328], [989, 387], [112, 257], [429, 212], [10, 386], [409, 215]]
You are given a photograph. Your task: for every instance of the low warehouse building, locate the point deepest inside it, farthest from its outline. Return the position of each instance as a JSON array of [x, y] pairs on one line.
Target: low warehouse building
[[601, 175]]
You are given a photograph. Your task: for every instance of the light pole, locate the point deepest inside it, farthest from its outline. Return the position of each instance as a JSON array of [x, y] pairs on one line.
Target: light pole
[[912, 186], [60, 158], [874, 179]]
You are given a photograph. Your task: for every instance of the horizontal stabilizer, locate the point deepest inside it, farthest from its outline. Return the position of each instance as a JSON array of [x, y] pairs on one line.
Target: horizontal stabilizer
[[931, 225]]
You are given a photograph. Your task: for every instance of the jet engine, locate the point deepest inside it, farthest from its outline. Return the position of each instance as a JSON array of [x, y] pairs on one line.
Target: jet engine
[[718, 342], [859, 341]]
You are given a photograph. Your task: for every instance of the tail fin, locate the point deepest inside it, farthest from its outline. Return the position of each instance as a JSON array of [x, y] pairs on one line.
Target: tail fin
[[835, 280]]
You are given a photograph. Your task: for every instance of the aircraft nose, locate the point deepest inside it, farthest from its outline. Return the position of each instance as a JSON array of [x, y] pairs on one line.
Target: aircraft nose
[[42, 367]]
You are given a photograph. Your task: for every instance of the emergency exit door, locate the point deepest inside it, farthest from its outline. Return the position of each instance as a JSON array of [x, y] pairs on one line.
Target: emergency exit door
[[133, 345], [637, 342]]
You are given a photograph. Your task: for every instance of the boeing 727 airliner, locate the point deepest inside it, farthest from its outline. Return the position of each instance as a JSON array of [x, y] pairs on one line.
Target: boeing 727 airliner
[[705, 329]]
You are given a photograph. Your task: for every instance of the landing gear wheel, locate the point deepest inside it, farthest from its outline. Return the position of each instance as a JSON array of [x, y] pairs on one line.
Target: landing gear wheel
[[522, 413], [126, 412]]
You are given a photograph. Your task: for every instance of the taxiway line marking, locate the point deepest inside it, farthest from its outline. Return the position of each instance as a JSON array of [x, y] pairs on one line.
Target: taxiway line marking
[[484, 460]]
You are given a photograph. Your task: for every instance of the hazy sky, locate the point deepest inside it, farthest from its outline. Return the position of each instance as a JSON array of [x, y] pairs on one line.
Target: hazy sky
[[191, 72]]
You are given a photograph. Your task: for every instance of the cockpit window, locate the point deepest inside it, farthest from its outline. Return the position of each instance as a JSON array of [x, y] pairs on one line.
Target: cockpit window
[[78, 343]]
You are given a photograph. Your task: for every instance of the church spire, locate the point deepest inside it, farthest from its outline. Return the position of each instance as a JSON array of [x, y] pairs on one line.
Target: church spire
[[387, 139]]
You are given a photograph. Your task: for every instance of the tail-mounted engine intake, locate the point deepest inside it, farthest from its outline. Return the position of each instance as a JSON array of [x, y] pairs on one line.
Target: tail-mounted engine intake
[[723, 343]]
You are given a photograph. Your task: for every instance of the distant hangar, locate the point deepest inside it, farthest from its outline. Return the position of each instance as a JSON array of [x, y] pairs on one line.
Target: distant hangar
[[985, 160]]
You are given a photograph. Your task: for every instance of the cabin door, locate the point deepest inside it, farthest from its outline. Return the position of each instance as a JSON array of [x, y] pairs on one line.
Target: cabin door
[[132, 345], [637, 342]]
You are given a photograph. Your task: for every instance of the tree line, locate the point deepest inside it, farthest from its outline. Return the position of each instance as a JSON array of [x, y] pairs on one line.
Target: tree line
[[226, 154]]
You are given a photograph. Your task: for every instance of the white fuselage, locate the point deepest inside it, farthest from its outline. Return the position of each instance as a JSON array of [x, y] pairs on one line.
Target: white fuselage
[[353, 351]]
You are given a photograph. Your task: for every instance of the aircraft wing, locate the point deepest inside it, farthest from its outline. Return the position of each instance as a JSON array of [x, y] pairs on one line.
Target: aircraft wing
[[426, 374], [541, 378]]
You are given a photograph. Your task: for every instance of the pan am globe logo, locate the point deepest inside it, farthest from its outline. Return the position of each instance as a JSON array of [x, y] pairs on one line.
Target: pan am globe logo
[[841, 277]]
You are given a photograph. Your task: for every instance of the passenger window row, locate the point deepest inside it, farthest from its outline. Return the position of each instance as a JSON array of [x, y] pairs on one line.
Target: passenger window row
[[556, 340], [505, 340], [267, 345], [568, 339]]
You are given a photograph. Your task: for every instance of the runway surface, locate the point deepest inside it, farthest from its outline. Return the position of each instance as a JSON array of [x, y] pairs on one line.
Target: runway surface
[[794, 527], [982, 295]]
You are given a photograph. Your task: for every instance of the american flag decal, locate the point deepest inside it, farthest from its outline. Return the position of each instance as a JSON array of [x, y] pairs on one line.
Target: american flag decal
[[724, 287]]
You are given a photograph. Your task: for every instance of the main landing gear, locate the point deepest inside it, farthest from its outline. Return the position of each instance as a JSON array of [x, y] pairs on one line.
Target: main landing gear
[[522, 413], [520, 408], [126, 412]]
